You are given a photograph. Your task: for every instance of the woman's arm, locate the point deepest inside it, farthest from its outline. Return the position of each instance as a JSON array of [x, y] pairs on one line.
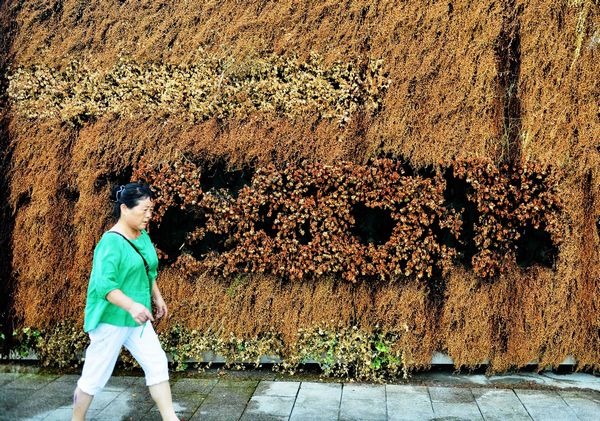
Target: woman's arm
[[138, 311], [159, 303]]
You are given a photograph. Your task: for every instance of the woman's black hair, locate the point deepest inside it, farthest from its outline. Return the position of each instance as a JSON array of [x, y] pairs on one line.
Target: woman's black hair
[[129, 195]]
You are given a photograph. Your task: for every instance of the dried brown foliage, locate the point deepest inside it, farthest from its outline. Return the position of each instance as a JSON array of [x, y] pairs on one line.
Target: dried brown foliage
[[509, 201], [558, 86], [440, 58], [508, 79], [276, 84], [302, 220], [297, 221]]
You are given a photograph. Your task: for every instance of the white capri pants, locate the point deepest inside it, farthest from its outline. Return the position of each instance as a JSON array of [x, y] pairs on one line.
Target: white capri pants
[[105, 345]]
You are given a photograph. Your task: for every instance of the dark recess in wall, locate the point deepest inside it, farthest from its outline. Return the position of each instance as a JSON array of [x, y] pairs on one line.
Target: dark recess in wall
[[69, 193], [373, 225], [23, 200], [170, 236], [427, 171], [267, 223], [218, 176], [508, 59], [303, 233], [455, 195], [117, 178], [211, 243], [535, 247]]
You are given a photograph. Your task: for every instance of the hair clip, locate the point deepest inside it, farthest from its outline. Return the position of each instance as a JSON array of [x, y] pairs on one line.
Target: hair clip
[[119, 193]]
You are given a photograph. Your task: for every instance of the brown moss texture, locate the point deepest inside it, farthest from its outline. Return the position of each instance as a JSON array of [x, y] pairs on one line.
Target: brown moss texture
[[504, 80]]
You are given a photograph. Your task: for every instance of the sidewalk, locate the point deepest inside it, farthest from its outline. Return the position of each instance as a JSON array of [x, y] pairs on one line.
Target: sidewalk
[[27, 394]]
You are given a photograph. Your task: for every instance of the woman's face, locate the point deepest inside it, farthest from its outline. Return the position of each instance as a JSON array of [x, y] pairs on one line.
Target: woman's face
[[139, 216]]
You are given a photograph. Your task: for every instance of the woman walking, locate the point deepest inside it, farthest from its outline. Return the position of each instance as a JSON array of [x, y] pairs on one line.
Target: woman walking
[[118, 307]]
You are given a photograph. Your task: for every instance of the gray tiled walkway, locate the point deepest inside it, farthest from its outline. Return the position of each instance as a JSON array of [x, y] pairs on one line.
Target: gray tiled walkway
[[47, 397]]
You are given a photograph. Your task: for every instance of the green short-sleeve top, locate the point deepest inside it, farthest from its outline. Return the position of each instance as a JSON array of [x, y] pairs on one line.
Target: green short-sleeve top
[[117, 265]]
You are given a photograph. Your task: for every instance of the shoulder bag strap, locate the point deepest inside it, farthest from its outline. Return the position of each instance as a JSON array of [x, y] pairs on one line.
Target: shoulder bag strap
[[146, 266]]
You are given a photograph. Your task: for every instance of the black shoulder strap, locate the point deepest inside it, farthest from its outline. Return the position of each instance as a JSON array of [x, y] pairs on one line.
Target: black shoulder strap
[[138, 252]]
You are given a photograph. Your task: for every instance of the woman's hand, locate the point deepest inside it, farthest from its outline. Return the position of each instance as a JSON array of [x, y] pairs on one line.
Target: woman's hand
[[160, 307], [140, 313]]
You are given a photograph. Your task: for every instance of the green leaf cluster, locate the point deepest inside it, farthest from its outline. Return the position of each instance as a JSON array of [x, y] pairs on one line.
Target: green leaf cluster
[[340, 351]]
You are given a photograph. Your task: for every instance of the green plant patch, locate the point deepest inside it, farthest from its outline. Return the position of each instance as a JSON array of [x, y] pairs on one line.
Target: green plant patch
[[339, 351]]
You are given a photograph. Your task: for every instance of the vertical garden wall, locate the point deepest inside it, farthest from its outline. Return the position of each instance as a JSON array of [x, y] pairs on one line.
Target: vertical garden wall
[[6, 225], [366, 182]]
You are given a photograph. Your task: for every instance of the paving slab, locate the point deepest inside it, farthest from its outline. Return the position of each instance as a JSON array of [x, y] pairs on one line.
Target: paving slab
[[274, 388], [38, 403], [363, 391], [124, 408], [219, 412], [240, 384], [454, 402], [68, 378], [313, 413], [326, 391], [188, 402], [407, 402], [185, 405], [232, 395], [585, 404], [237, 375], [39, 412], [120, 383], [363, 410], [11, 398], [12, 415], [135, 393], [62, 413], [31, 381], [43, 396], [280, 406], [317, 401], [155, 416], [500, 404], [363, 402], [524, 380], [6, 378], [545, 405], [262, 417], [202, 386], [59, 413], [103, 399]]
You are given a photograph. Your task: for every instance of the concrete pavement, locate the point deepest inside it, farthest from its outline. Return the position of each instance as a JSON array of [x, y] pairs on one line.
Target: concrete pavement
[[27, 393]]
